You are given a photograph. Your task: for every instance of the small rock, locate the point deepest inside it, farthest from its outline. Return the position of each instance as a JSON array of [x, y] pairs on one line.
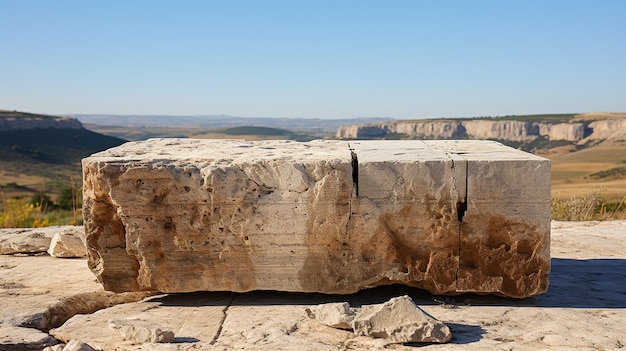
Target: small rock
[[141, 332], [337, 315], [57, 347], [399, 320], [68, 243], [75, 345], [19, 338]]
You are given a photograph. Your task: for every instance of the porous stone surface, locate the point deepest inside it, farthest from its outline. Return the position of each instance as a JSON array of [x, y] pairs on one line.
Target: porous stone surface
[[68, 243], [140, 331], [77, 345], [399, 320], [179, 215], [334, 314]]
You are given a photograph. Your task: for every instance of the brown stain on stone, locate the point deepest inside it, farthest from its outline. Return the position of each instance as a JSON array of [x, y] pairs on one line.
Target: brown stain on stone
[[415, 245], [500, 255], [427, 254]]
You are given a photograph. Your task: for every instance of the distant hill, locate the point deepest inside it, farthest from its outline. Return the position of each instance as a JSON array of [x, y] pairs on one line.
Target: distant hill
[[43, 153], [308, 125], [257, 133]]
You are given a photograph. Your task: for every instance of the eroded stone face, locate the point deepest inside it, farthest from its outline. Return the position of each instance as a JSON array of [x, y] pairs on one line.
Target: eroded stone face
[[179, 215]]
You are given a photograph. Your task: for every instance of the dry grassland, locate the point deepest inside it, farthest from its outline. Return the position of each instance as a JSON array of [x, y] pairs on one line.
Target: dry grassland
[[594, 116], [595, 170]]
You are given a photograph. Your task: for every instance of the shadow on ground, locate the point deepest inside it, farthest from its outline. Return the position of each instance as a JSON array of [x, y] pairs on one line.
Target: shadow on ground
[[593, 283]]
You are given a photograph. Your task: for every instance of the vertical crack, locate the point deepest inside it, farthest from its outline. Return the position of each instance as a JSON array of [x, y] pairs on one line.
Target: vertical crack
[[461, 206], [355, 174], [225, 314], [355, 188]]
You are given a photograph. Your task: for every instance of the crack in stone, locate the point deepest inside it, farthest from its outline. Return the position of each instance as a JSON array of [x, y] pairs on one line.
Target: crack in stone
[[355, 173], [225, 314], [355, 187], [461, 207]]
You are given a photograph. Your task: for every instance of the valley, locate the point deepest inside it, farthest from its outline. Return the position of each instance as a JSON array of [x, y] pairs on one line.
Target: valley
[[41, 154]]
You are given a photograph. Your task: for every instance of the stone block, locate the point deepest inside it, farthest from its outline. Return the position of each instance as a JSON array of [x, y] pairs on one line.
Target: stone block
[[178, 215]]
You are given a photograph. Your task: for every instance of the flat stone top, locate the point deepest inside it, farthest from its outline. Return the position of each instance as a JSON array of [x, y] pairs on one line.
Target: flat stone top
[[229, 150], [424, 150], [225, 150]]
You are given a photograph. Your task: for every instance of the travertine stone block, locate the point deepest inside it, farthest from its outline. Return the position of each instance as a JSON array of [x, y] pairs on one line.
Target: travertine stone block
[[180, 215], [505, 231]]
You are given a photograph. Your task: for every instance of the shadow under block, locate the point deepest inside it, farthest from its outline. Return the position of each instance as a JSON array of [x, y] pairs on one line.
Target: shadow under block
[[181, 215]]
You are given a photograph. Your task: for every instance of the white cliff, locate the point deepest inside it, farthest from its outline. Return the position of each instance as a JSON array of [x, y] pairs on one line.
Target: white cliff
[[505, 130], [608, 129], [511, 130]]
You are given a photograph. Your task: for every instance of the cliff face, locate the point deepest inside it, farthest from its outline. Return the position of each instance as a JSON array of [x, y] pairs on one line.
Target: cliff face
[[489, 129], [608, 129], [429, 130], [10, 121]]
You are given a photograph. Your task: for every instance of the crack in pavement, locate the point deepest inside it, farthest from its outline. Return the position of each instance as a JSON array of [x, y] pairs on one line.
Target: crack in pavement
[[225, 314]]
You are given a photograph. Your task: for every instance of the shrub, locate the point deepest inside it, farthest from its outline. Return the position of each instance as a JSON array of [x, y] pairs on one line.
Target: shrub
[[590, 207], [41, 200], [69, 198]]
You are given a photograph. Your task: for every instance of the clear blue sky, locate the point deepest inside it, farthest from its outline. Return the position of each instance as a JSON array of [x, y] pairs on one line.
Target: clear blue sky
[[314, 59]]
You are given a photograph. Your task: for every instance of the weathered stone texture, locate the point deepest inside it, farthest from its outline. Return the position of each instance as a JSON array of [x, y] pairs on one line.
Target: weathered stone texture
[[178, 215], [398, 320], [68, 243]]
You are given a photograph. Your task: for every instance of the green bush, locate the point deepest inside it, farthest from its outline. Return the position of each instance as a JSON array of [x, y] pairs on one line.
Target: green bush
[[69, 198], [41, 200]]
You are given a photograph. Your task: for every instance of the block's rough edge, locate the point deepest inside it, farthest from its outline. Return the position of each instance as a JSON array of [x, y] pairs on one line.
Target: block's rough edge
[[105, 158]]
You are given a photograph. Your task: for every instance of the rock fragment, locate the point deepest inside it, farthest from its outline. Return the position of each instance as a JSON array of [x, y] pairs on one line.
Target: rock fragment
[[68, 243], [141, 332], [337, 315], [57, 347], [398, 320], [76, 345]]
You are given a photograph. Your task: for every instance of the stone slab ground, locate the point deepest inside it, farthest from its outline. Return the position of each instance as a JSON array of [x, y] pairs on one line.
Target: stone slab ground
[[583, 309]]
